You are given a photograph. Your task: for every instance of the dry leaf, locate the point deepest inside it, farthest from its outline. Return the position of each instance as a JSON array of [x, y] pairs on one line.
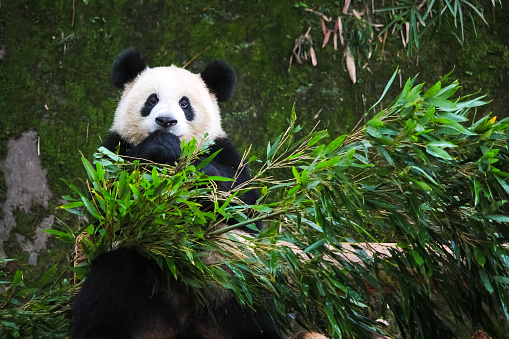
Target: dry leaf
[[318, 113], [340, 31], [313, 56], [383, 322], [350, 65], [357, 14], [326, 38], [300, 51], [307, 36], [345, 7], [320, 14], [403, 38]]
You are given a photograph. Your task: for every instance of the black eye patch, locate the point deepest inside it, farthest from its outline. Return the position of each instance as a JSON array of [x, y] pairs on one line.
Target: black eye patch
[[186, 107], [152, 100]]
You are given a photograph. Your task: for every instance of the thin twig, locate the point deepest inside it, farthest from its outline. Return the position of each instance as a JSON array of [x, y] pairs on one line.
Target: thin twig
[[197, 55], [73, 12]]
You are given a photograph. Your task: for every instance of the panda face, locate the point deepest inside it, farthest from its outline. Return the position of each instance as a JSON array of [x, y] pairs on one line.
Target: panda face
[[168, 98]]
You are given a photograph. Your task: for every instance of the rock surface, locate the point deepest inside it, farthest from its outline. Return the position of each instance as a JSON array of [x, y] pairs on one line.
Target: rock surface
[[26, 185]]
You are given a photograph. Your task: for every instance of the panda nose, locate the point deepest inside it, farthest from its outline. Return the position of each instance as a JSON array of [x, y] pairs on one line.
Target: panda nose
[[166, 121]]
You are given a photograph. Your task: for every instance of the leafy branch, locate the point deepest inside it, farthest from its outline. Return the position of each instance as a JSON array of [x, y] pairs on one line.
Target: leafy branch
[[411, 206]]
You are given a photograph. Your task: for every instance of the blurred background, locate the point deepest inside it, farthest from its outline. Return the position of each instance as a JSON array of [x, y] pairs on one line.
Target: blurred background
[[329, 59]]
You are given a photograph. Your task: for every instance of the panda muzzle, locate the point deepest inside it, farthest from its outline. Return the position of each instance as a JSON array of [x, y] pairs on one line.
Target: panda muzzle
[[166, 121]]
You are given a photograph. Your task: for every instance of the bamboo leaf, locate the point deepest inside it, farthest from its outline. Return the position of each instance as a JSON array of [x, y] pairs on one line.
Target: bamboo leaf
[[479, 256], [442, 104], [315, 245], [498, 217], [296, 175], [418, 258], [438, 152], [386, 89], [16, 281], [72, 205], [46, 277], [333, 146], [433, 91], [89, 168], [486, 281], [441, 144]]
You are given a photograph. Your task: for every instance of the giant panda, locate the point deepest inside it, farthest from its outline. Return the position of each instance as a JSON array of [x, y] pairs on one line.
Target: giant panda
[[160, 107]]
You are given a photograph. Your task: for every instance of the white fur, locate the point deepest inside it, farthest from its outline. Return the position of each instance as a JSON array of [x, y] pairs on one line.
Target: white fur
[[170, 84]]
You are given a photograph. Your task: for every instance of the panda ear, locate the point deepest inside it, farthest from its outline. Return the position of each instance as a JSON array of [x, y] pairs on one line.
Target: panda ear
[[127, 66], [220, 79]]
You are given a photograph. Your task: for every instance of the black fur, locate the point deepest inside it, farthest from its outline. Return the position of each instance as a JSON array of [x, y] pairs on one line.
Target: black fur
[[185, 104], [160, 146], [127, 66], [112, 140], [220, 79], [151, 102], [118, 301]]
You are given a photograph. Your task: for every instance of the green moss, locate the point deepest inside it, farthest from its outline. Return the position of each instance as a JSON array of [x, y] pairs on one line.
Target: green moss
[[27, 222]]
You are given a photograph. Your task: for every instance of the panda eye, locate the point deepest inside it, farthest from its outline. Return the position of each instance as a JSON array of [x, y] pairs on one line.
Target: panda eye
[[186, 107], [184, 103], [152, 100], [150, 103]]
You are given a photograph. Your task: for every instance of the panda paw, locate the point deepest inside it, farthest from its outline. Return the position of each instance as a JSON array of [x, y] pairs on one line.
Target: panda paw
[[160, 146]]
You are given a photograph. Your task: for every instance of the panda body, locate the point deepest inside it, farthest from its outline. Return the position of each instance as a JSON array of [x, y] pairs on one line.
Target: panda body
[[160, 107]]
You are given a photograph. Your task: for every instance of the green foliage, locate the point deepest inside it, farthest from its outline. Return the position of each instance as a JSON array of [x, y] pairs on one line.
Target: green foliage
[[420, 16], [41, 311], [411, 205]]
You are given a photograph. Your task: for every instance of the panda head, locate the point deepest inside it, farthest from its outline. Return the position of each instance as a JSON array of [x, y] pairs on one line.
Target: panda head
[[169, 98]]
